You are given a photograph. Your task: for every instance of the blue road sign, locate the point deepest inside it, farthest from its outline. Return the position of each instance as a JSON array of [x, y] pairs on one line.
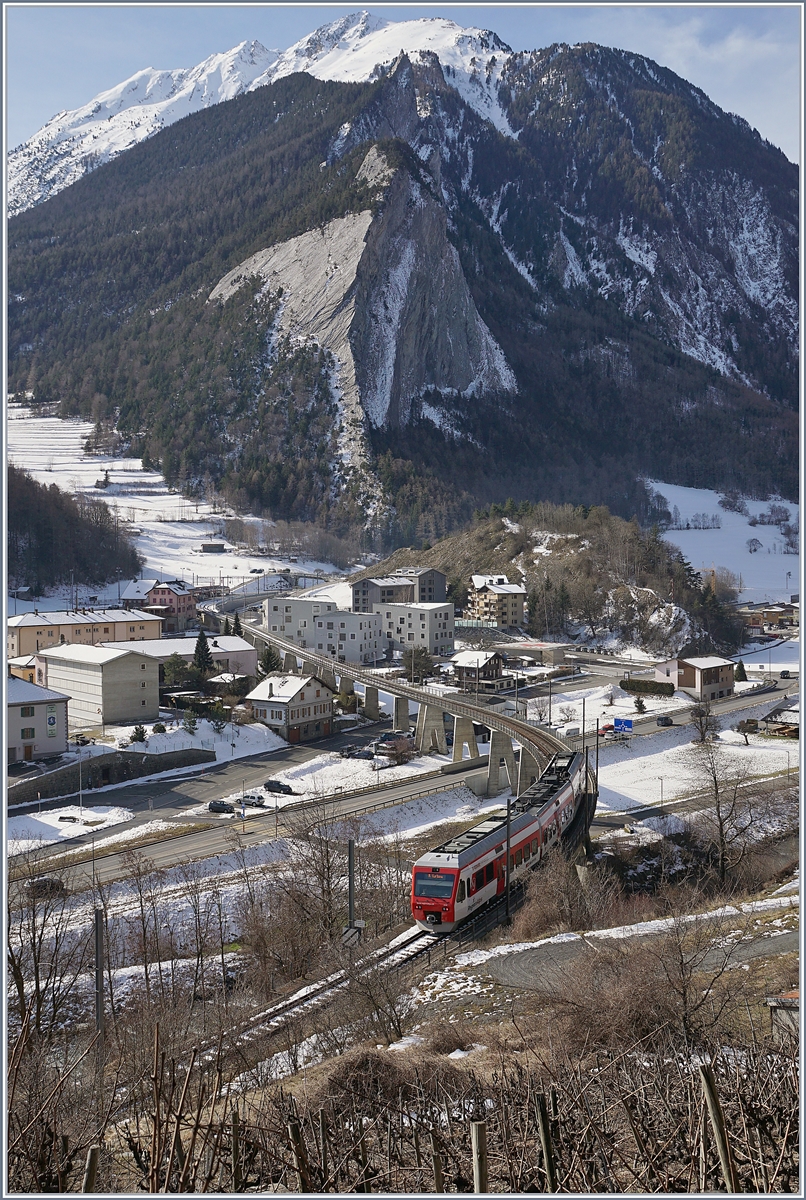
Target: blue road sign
[[622, 724]]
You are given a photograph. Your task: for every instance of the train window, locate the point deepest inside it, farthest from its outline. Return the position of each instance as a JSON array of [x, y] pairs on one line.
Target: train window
[[518, 858], [433, 883], [490, 872], [478, 880], [512, 862], [460, 893], [527, 851], [535, 844]]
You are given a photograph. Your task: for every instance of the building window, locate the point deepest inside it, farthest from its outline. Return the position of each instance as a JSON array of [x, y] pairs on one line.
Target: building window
[[27, 734], [143, 703], [142, 666], [143, 683], [27, 710]]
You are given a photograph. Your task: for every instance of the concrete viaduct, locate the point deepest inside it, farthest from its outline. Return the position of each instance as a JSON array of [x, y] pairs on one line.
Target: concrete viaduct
[[537, 746]]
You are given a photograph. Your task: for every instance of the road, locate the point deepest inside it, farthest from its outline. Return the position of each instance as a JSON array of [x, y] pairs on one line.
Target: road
[[259, 826], [544, 967]]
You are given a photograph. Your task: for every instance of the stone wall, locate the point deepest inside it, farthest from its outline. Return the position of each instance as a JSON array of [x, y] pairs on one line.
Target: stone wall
[[115, 767]]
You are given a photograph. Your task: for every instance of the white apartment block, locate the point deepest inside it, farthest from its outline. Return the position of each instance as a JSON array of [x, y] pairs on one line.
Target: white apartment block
[[428, 625], [319, 625]]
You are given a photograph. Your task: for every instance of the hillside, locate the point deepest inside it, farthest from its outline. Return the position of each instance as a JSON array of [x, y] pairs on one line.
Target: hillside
[[54, 537], [588, 574], [611, 293]]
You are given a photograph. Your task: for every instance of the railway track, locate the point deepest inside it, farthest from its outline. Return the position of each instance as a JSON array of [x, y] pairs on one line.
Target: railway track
[[543, 743], [401, 954]]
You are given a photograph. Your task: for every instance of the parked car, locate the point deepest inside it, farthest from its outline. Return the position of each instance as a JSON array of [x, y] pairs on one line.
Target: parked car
[[368, 754], [664, 720], [45, 886], [613, 735], [348, 751], [276, 785], [786, 675], [220, 806], [252, 801], [605, 729]]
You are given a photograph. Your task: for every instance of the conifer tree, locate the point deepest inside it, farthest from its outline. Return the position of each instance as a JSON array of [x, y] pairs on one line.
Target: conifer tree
[[202, 658], [269, 661], [236, 626], [740, 674], [227, 630]]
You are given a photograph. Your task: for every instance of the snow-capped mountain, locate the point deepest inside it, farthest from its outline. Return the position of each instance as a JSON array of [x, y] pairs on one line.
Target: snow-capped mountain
[[361, 47], [73, 143], [353, 49], [546, 272]]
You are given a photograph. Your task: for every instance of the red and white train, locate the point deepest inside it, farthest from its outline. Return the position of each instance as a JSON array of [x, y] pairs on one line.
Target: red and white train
[[455, 880]]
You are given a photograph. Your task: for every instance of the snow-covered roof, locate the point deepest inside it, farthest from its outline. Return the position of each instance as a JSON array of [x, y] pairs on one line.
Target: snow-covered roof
[[472, 658], [97, 655], [419, 605], [138, 589], [389, 581], [498, 584], [283, 688], [186, 647], [90, 616], [480, 581], [225, 677], [705, 664], [23, 660], [19, 691]]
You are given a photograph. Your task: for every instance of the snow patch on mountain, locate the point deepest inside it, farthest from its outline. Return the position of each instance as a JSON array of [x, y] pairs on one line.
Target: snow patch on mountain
[[74, 143]]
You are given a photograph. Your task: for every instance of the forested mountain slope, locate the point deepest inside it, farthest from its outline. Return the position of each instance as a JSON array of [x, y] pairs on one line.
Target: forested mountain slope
[[608, 290]]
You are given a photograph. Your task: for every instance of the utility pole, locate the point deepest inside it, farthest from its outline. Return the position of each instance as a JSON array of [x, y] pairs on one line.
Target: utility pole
[[549, 703], [351, 883]]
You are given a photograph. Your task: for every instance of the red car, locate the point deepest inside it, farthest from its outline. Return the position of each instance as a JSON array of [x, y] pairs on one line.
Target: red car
[[603, 729]]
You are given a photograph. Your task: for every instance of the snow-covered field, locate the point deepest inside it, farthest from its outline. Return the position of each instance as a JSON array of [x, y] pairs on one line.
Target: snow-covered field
[[566, 707], [172, 527], [767, 574], [247, 739], [630, 773], [44, 829], [329, 774], [773, 658]]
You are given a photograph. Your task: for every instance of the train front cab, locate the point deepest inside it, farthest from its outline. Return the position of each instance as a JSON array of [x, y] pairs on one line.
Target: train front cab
[[433, 898]]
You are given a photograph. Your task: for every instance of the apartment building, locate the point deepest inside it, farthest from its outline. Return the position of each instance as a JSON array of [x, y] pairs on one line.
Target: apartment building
[[406, 585], [30, 632], [297, 707], [228, 651], [106, 685], [348, 637], [428, 625], [493, 598]]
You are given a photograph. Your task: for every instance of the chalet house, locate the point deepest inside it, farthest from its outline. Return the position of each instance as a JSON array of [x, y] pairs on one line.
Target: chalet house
[[480, 667], [297, 707], [706, 678]]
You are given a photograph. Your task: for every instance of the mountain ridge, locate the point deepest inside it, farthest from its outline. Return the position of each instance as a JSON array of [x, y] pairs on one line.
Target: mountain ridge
[[583, 253]]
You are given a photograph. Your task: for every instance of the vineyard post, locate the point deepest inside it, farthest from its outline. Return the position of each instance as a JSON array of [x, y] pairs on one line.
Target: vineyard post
[[478, 1139]]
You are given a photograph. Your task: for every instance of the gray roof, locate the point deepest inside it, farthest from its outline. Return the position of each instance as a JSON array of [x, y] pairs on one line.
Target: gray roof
[[19, 691]]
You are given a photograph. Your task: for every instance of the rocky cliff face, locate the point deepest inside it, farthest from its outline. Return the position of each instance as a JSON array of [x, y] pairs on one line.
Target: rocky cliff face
[[386, 295]]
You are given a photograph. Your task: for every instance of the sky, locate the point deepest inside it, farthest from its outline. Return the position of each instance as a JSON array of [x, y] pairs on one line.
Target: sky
[[746, 57]]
